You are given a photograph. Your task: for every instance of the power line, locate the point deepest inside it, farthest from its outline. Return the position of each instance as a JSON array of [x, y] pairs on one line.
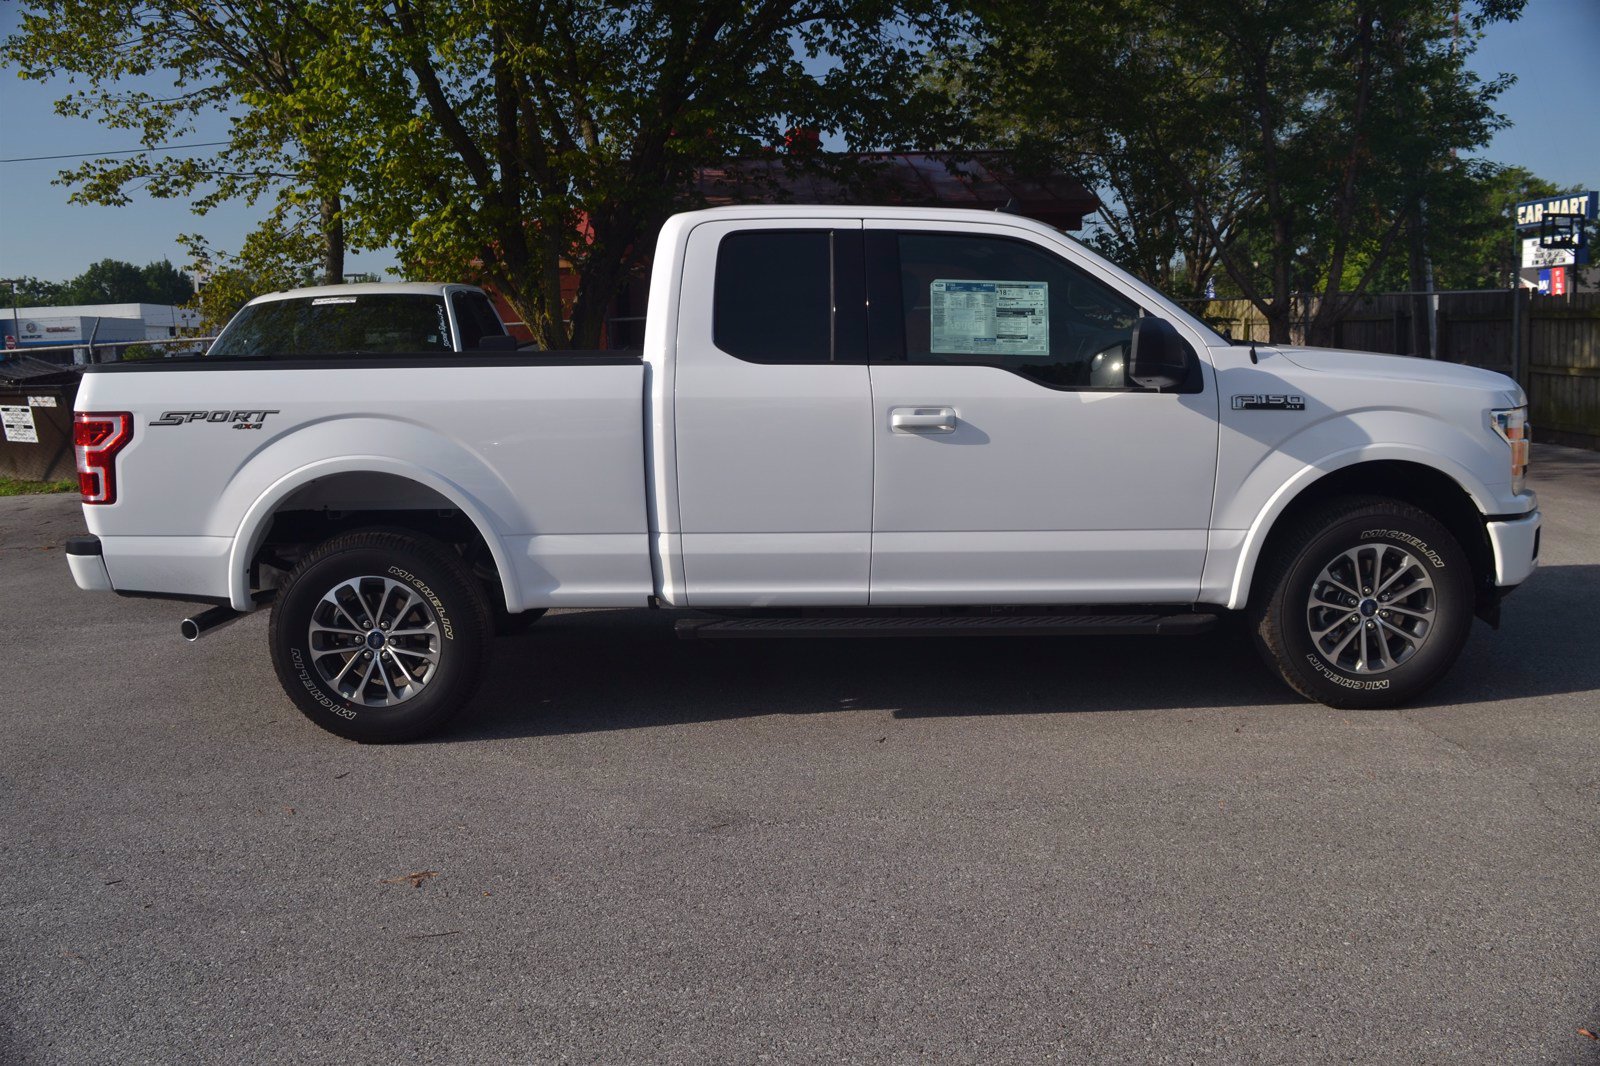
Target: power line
[[125, 151]]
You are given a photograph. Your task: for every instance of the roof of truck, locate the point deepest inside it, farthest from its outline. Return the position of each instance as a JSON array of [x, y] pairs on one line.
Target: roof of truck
[[365, 288]]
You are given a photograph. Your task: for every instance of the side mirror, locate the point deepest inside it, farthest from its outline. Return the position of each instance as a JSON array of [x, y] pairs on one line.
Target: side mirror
[[501, 343], [1158, 357]]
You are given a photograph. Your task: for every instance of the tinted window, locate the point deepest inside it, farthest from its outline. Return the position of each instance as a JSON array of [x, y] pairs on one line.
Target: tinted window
[[773, 301], [988, 301], [475, 318], [335, 325]]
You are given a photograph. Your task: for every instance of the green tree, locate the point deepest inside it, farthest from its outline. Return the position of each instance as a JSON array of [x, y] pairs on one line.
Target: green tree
[[533, 139], [1287, 140], [1470, 237], [271, 260], [539, 139], [113, 281], [244, 58], [33, 292]]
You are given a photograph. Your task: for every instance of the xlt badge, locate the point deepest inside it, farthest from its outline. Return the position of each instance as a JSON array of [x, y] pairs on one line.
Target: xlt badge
[[1265, 402], [241, 419]]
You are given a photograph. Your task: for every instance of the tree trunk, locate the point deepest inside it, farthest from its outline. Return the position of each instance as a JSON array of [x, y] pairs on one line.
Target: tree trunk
[[1278, 322], [332, 240]]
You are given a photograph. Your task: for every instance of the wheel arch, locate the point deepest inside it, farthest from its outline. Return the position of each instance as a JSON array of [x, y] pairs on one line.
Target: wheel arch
[[1425, 485], [374, 484]]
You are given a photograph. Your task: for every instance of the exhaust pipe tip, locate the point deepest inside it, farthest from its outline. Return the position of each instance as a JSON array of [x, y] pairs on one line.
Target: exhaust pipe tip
[[197, 626]]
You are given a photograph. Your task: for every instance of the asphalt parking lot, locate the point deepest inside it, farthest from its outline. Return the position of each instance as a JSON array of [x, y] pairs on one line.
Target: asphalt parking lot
[[641, 850]]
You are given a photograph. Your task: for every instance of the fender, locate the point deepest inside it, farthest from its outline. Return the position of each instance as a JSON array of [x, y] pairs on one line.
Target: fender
[[416, 454], [1243, 570]]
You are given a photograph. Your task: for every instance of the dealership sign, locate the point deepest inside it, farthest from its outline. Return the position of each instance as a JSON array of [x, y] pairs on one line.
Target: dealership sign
[[1531, 212], [1554, 230]]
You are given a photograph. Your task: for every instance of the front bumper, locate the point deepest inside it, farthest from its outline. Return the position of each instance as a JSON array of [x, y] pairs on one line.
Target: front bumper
[[1516, 548], [88, 564]]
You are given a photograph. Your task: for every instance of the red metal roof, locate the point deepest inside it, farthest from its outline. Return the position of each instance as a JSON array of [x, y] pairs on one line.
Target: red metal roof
[[981, 180]]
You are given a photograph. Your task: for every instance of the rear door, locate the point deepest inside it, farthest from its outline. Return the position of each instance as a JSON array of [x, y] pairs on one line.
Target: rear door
[[773, 416], [1014, 463]]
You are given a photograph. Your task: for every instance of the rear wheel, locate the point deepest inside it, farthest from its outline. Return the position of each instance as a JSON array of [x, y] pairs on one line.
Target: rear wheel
[[380, 636], [1366, 604]]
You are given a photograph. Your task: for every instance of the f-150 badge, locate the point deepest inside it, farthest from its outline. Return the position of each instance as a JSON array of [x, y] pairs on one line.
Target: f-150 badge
[[240, 419], [1265, 402]]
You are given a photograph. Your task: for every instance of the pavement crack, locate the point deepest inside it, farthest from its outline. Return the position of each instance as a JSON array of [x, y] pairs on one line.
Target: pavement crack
[[1523, 775]]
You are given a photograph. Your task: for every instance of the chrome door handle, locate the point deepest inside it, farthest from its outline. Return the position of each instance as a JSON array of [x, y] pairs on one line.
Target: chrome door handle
[[922, 419]]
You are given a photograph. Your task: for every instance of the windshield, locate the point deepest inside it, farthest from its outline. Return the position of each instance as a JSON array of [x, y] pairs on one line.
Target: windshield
[[337, 325]]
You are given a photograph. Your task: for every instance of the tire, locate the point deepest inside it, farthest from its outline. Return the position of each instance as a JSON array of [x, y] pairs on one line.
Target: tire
[[1366, 604], [395, 607]]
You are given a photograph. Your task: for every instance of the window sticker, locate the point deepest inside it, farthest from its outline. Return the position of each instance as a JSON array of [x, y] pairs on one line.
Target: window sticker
[[989, 317]]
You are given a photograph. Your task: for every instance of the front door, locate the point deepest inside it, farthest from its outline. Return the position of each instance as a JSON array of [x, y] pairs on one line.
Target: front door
[[1014, 462]]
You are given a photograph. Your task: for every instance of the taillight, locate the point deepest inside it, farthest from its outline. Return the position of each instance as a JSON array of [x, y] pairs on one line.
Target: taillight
[[97, 437]]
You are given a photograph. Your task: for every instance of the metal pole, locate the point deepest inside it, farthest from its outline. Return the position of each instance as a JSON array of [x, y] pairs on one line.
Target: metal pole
[[16, 320], [1516, 334]]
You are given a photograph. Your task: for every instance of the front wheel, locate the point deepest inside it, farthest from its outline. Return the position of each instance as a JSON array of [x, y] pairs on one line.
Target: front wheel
[[1367, 602], [380, 636]]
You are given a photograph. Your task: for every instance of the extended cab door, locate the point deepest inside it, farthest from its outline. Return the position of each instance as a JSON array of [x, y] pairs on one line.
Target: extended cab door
[[1014, 462], [773, 420]]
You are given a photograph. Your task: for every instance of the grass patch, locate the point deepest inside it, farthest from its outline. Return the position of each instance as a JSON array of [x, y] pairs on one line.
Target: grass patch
[[10, 486]]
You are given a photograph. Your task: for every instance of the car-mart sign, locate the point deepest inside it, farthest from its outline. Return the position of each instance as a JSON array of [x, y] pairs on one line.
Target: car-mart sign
[[1531, 212]]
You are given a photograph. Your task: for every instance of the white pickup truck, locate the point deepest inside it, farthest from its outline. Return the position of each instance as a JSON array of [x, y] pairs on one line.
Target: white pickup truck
[[845, 422]]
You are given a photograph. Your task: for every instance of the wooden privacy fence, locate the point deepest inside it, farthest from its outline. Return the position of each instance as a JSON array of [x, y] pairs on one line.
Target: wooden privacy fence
[[1549, 344]]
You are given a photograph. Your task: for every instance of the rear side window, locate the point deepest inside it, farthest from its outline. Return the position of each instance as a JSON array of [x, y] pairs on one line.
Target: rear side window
[[774, 298], [337, 325], [475, 318]]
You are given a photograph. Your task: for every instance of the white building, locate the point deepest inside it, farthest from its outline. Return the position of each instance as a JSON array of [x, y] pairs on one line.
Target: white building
[[113, 326]]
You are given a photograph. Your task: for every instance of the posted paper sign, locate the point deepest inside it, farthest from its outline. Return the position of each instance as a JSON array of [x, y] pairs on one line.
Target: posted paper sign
[[41, 401], [18, 423], [990, 317]]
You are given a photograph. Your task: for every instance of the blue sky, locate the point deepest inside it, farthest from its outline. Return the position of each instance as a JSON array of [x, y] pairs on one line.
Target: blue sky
[[1554, 51]]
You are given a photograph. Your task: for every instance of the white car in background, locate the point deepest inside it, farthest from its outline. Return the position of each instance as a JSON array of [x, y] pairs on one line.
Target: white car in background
[[374, 318]]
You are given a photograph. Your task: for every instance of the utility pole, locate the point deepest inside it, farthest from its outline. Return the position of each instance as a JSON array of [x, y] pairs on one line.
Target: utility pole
[[16, 322]]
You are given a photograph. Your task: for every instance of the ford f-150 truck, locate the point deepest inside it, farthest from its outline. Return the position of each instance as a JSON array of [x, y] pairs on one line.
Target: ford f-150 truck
[[844, 422]]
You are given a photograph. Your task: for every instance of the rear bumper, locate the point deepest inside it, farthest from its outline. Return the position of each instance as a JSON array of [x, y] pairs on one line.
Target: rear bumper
[[191, 569], [1516, 548], [88, 564]]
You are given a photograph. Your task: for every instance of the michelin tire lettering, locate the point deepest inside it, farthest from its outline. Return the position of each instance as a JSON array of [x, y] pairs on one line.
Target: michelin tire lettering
[[1406, 538], [438, 606], [304, 674], [1348, 682]]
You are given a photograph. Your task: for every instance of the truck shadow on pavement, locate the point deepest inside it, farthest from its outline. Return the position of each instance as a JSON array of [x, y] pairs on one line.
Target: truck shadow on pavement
[[624, 669]]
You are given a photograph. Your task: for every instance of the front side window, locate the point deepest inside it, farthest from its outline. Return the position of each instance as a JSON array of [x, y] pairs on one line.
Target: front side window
[[337, 325], [774, 296], [992, 301]]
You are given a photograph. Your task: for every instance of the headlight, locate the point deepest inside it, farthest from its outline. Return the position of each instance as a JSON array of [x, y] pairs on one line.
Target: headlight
[[1511, 423]]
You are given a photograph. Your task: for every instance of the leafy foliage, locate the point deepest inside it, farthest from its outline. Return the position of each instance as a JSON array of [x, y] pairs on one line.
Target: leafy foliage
[[271, 260], [1290, 142], [34, 292], [510, 140], [155, 67], [110, 281]]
